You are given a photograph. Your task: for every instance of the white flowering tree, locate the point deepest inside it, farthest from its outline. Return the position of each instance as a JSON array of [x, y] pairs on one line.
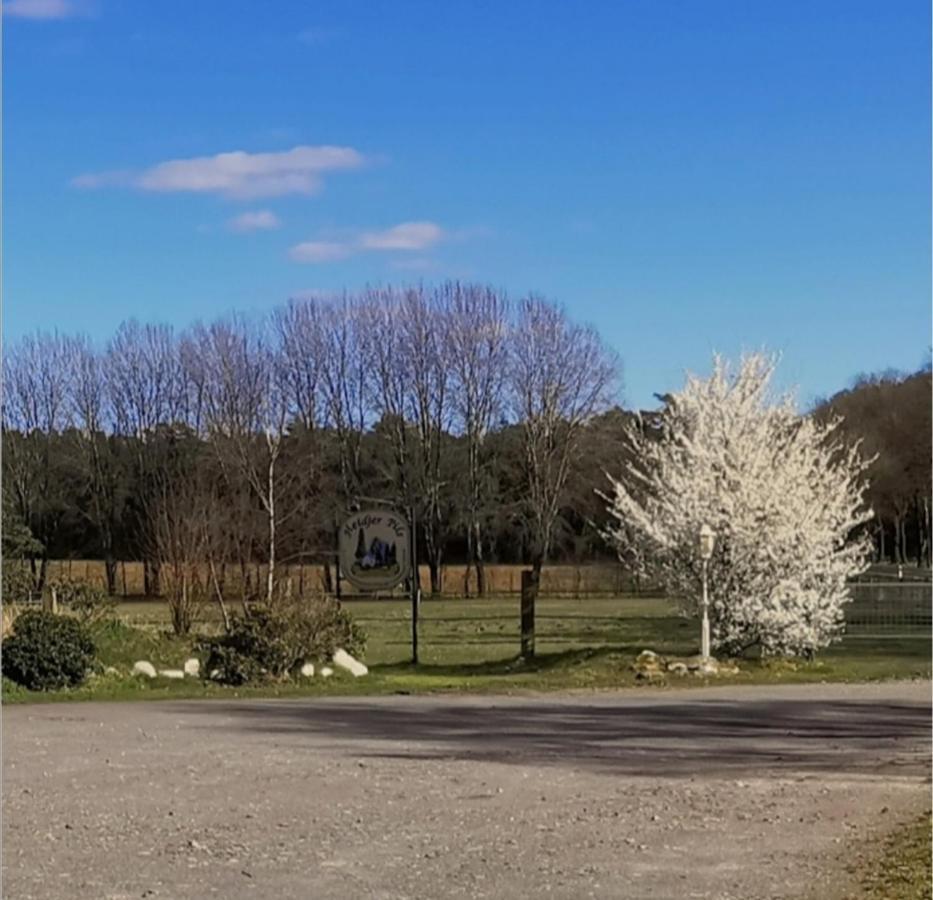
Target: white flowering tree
[[785, 499]]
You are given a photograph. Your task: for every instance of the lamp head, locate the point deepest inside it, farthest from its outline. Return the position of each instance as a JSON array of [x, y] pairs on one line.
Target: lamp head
[[707, 541]]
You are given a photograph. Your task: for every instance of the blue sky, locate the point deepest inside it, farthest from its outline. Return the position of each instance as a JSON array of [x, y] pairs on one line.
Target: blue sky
[[687, 176]]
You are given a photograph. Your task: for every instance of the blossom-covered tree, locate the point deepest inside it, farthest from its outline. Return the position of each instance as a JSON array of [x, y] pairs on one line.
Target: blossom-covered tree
[[785, 499]]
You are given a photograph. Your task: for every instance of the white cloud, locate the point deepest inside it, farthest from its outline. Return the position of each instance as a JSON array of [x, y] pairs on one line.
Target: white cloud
[[407, 236], [256, 220], [238, 174], [319, 251], [47, 10]]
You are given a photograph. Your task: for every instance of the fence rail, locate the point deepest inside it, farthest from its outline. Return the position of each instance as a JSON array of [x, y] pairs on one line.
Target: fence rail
[[889, 605], [877, 606]]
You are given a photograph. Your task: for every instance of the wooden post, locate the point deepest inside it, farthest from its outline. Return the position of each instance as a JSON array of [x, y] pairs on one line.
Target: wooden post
[[415, 584], [529, 589]]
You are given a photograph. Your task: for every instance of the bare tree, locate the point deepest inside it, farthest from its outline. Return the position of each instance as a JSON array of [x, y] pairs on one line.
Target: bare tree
[[560, 375], [99, 459], [246, 412], [476, 346], [35, 412], [146, 393], [181, 530], [422, 320]]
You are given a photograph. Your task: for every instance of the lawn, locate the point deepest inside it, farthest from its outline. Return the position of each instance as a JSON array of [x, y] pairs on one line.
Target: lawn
[[896, 867], [472, 646]]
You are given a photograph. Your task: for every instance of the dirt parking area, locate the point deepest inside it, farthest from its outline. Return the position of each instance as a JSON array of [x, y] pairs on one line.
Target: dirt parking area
[[721, 793]]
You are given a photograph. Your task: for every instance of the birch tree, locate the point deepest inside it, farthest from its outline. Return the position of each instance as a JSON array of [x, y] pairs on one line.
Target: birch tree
[[784, 498]]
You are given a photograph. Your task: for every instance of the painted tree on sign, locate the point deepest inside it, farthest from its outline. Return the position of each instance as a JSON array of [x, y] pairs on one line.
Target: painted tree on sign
[[785, 499]]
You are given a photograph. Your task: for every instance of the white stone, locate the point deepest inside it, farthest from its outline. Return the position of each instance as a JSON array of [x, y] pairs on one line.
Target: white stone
[[111, 670], [171, 673], [214, 674], [326, 672], [141, 667], [193, 667], [307, 670], [351, 665]]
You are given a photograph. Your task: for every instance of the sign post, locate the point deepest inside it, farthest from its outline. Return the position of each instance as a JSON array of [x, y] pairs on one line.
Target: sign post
[[378, 551]]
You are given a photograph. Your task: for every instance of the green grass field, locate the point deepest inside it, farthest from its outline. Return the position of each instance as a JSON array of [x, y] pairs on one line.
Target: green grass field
[[472, 646]]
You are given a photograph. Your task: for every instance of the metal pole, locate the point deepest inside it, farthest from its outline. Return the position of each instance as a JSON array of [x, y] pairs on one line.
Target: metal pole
[[704, 638], [415, 586]]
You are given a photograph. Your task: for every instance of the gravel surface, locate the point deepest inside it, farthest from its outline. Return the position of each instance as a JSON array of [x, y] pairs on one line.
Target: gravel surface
[[721, 793]]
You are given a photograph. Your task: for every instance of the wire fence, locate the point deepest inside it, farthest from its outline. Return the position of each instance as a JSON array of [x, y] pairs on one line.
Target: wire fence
[[885, 606]]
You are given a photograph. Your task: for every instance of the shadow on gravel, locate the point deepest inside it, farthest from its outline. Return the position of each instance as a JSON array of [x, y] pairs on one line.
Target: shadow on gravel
[[712, 737]]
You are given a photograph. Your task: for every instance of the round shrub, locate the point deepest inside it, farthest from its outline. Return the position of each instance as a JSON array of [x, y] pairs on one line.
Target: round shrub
[[46, 652], [271, 641]]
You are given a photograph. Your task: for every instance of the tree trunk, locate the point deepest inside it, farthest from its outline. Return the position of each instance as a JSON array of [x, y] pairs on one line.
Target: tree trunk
[[328, 577], [434, 568], [218, 592], [43, 573], [110, 573], [478, 560], [152, 580], [270, 576]]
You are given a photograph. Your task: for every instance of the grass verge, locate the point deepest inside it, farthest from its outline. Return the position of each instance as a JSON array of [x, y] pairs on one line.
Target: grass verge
[[471, 647], [900, 868]]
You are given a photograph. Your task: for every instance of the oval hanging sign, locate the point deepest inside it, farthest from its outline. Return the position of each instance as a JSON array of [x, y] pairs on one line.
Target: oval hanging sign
[[375, 550]]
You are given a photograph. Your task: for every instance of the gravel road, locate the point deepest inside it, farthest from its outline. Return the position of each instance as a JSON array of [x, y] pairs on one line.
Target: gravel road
[[720, 793]]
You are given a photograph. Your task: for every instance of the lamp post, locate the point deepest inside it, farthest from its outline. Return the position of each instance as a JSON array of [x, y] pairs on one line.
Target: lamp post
[[707, 540]]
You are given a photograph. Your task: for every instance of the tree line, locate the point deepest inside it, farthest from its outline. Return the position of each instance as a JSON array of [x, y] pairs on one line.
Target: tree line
[[890, 415], [248, 440]]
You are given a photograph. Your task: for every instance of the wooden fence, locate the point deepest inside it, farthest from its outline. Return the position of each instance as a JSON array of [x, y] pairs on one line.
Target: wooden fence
[[457, 580]]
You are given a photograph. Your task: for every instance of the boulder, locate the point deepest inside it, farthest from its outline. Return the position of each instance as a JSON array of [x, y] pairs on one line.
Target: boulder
[[677, 668], [141, 667], [351, 665], [326, 672], [649, 665], [192, 667], [171, 673], [307, 670]]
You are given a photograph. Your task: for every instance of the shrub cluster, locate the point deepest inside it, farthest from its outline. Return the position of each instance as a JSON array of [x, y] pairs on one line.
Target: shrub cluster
[[272, 641], [46, 652], [88, 602]]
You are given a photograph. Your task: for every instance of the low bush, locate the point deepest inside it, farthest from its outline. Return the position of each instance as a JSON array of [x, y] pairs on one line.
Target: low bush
[[272, 641], [88, 602], [46, 652]]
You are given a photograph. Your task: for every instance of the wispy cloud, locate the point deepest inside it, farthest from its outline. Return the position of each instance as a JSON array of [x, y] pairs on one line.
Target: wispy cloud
[[255, 220], [320, 251], [46, 10], [406, 236], [238, 175]]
